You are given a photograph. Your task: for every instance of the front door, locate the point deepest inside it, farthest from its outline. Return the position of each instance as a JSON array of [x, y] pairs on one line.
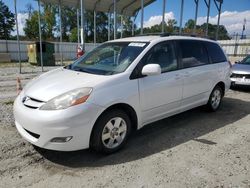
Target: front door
[[160, 95]]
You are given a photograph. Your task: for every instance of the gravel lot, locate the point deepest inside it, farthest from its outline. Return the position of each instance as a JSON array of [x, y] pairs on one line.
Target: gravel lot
[[193, 149]]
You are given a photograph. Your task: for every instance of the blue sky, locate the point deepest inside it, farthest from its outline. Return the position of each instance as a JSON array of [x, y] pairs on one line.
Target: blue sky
[[189, 8], [233, 12]]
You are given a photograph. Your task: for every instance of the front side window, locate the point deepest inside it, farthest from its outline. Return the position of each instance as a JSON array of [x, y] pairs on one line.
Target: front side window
[[162, 54], [193, 53], [109, 58]]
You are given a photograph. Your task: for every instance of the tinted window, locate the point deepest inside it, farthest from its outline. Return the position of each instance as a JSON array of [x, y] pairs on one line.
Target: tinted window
[[215, 52], [162, 54], [193, 53]]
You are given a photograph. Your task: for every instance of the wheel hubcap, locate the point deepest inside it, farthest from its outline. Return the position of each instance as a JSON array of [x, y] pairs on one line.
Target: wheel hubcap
[[216, 98], [114, 132]]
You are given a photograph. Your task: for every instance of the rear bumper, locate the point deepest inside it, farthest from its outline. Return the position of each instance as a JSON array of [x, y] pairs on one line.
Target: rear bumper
[[39, 127]]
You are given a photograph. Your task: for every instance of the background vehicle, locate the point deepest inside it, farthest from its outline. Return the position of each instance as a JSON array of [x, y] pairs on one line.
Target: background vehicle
[[119, 87], [241, 72]]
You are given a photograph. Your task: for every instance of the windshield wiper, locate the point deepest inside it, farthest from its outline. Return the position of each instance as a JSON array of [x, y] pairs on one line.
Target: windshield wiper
[[82, 70]]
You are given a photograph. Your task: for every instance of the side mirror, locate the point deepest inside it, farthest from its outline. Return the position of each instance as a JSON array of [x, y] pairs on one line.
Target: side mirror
[[236, 62], [151, 70]]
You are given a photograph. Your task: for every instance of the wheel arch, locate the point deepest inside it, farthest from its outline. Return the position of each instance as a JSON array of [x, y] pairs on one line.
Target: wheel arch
[[128, 109], [222, 86]]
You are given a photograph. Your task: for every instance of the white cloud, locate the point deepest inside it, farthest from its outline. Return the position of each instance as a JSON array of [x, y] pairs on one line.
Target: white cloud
[[233, 21], [21, 20], [153, 20]]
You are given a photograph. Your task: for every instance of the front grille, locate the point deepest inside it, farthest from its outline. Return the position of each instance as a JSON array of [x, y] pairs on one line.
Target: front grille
[[33, 107], [31, 102], [32, 134], [240, 75], [36, 100]]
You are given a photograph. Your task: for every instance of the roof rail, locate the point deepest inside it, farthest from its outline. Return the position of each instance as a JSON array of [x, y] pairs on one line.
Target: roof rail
[[176, 34], [186, 34], [149, 34]]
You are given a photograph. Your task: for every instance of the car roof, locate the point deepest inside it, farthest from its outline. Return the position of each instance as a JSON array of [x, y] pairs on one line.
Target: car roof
[[138, 39], [150, 38]]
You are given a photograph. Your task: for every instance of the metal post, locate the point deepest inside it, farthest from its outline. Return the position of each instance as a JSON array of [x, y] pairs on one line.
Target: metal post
[[97, 1], [243, 28], [77, 19], [133, 26], [142, 15], [236, 44], [115, 19], [18, 41], [219, 12], [163, 16], [182, 4], [40, 35], [208, 12], [196, 14], [121, 26], [82, 24], [60, 15], [94, 27], [109, 18], [218, 23]]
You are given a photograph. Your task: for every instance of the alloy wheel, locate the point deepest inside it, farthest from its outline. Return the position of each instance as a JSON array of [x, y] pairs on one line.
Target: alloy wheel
[[216, 99], [114, 132]]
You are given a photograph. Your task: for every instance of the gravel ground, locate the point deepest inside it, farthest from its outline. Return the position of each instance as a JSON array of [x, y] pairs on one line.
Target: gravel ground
[[193, 149]]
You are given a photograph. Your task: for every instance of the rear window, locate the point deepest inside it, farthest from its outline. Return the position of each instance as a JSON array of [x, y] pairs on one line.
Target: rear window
[[215, 52], [193, 53]]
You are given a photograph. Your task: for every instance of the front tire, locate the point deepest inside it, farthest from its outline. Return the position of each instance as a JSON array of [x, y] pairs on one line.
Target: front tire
[[215, 98], [111, 131]]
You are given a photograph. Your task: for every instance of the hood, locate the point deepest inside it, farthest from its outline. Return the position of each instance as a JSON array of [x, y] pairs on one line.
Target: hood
[[241, 69], [59, 81]]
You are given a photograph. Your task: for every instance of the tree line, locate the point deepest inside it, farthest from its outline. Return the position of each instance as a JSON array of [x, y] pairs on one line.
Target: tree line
[[50, 25]]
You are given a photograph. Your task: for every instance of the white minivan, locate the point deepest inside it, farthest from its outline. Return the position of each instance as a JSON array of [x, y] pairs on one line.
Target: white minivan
[[119, 87]]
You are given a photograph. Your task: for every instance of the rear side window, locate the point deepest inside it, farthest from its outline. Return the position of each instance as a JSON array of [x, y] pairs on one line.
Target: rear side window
[[215, 52], [193, 53]]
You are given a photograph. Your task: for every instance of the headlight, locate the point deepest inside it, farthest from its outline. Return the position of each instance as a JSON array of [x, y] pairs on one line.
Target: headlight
[[71, 98]]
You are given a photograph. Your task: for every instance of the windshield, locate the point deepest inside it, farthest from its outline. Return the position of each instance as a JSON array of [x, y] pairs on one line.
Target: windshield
[[109, 58], [246, 61]]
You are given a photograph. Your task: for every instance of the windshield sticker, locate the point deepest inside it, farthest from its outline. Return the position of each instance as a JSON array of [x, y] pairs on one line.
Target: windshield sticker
[[137, 44]]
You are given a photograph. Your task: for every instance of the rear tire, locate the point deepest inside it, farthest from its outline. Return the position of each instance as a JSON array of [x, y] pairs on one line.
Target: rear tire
[[110, 132], [215, 98]]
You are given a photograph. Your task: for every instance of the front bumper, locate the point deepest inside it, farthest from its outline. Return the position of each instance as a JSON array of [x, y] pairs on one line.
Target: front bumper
[[240, 81], [39, 127]]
